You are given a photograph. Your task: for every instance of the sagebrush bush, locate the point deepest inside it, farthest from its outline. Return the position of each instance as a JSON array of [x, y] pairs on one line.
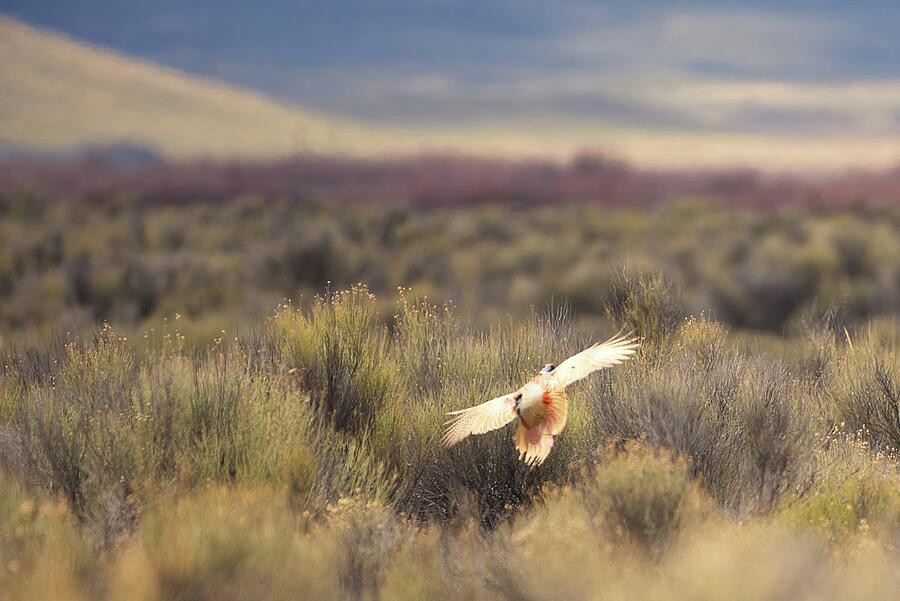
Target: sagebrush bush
[[641, 494], [679, 405], [866, 392], [744, 425], [339, 352], [131, 263], [646, 304], [854, 493], [302, 457], [776, 436], [75, 431]]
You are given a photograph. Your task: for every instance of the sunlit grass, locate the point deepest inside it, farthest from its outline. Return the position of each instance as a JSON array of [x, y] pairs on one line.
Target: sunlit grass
[[302, 458]]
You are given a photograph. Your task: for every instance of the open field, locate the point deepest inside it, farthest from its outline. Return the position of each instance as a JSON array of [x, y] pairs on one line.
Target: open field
[[68, 264], [301, 458], [171, 428], [269, 271]]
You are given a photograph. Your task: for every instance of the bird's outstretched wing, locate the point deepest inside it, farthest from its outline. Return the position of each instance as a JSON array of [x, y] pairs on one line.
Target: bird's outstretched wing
[[479, 419], [599, 356]]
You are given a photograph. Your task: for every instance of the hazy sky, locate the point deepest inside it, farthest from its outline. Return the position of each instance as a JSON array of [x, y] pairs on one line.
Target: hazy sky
[[813, 68]]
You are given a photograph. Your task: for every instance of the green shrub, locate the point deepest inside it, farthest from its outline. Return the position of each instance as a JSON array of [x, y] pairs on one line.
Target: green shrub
[[865, 392], [339, 352], [641, 493], [777, 436], [854, 496], [645, 304]]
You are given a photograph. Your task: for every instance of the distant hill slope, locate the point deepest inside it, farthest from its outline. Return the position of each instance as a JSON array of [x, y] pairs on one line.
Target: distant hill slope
[[56, 93]]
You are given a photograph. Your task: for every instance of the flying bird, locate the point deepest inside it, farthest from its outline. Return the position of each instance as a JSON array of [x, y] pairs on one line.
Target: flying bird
[[541, 405]]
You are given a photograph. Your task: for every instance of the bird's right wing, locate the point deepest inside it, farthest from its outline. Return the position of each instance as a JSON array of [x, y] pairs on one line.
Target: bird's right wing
[[479, 419]]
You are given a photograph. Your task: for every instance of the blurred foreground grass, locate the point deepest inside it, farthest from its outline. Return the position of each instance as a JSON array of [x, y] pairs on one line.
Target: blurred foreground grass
[[300, 458]]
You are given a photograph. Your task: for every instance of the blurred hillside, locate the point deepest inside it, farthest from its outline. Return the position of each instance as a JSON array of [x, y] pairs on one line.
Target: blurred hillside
[[58, 93]]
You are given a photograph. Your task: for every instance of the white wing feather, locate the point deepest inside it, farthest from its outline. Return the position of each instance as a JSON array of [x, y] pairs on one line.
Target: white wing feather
[[479, 419], [614, 351]]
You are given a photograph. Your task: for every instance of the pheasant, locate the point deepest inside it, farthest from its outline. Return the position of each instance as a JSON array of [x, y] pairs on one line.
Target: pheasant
[[541, 405]]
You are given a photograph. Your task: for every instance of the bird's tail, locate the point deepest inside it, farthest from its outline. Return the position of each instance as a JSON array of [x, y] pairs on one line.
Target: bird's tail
[[533, 444]]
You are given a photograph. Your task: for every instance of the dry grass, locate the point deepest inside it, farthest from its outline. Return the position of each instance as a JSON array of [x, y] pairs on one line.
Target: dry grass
[[303, 459]]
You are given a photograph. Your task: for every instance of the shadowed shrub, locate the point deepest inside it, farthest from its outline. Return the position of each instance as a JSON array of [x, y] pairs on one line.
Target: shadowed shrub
[[75, 435], [645, 304], [777, 436], [640, 493], [865, 392], [740, 424], [338, 349]]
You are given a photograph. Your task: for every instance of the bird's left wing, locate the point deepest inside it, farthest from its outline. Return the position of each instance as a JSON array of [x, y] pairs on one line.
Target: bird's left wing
[[614, 351], [479, 419]]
